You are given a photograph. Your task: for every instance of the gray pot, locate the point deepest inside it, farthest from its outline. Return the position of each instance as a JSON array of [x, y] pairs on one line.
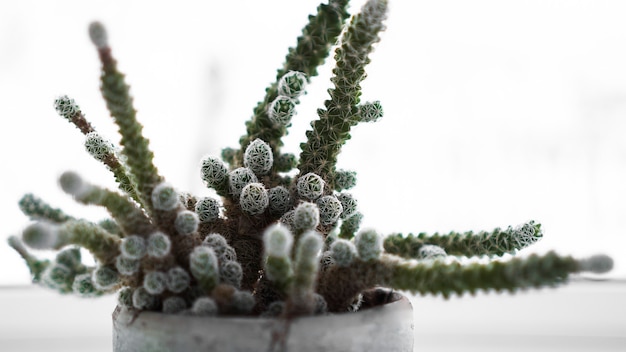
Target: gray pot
[[388, 327]]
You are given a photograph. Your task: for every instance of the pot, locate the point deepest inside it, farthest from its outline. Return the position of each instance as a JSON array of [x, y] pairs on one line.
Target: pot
[[387, 327]]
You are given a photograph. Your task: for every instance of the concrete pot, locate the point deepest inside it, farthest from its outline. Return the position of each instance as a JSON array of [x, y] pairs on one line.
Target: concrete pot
[[387, 327]]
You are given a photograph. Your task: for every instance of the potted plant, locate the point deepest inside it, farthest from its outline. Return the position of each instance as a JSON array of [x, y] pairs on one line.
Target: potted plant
[[277, 260]]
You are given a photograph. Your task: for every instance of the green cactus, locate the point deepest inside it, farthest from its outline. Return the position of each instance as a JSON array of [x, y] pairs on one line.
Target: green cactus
[[172, 252]]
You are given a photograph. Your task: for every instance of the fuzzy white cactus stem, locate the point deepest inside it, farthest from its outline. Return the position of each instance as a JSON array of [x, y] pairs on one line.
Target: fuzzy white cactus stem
[[278, 241], [43, 235], [204, 267], [126, 213], [306, 267]]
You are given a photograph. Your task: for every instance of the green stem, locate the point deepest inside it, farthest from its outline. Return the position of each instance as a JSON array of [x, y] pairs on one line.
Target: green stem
[[442, 277], [312, 48], [332, 130], [36, 209], [35, 265], [496, 242], [103, 245], [127, 215], [135, 146], [67, 108]]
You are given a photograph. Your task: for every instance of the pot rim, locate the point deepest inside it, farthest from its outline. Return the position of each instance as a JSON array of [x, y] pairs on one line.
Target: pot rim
[[386, 327], [399, 301]]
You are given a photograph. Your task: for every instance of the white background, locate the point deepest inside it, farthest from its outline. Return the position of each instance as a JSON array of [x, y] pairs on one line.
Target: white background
[[496, 112]]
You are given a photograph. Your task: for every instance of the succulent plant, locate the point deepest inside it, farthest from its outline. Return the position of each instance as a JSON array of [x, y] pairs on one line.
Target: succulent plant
[[284, 237]]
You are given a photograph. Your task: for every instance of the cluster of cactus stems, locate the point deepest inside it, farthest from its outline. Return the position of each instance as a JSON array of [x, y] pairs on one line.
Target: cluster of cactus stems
[[276, 242]]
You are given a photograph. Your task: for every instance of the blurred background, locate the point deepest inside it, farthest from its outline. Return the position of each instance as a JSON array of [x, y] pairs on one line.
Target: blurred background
[[496, 113]]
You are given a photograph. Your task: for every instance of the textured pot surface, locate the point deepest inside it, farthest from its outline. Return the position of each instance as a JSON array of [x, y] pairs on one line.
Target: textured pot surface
[[383, 328]]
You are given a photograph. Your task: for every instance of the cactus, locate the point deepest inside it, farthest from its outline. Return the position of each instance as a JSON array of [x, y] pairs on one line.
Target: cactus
[[279, 241]]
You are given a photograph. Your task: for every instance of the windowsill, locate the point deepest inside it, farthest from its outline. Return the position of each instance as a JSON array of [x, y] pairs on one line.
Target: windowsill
[[582, 316]]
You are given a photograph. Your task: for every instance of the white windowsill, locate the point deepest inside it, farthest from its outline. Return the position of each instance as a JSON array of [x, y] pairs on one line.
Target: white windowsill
[[582, 316]]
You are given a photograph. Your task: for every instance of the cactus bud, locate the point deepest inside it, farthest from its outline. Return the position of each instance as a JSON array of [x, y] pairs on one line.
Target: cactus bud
[[287, 219], [344, 179], [231, 273], [369, 244], [143, 300], [204, 266], [306, 216], [186, 222], [178, 280], [213, 171], [59, 277], [84, 286], [330, 208], [218, 243], [41, 235], [258, 157], [279, 200], [204, 306], [97, 146], [240, 178], [281, 111], [159, 245], [66, 107], [98, 35], [155, 282], [165, 197], [105, 278], [343, 252], [173, 305], [430, 251], [526, 234], [71, 183], [126, 266], [310, 186], [278, 241], [125, 297], [133, 247], [351, 224], [598, 264], [208, 209], [254, 199], [292, 84], [348, 204], [370, 112]]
